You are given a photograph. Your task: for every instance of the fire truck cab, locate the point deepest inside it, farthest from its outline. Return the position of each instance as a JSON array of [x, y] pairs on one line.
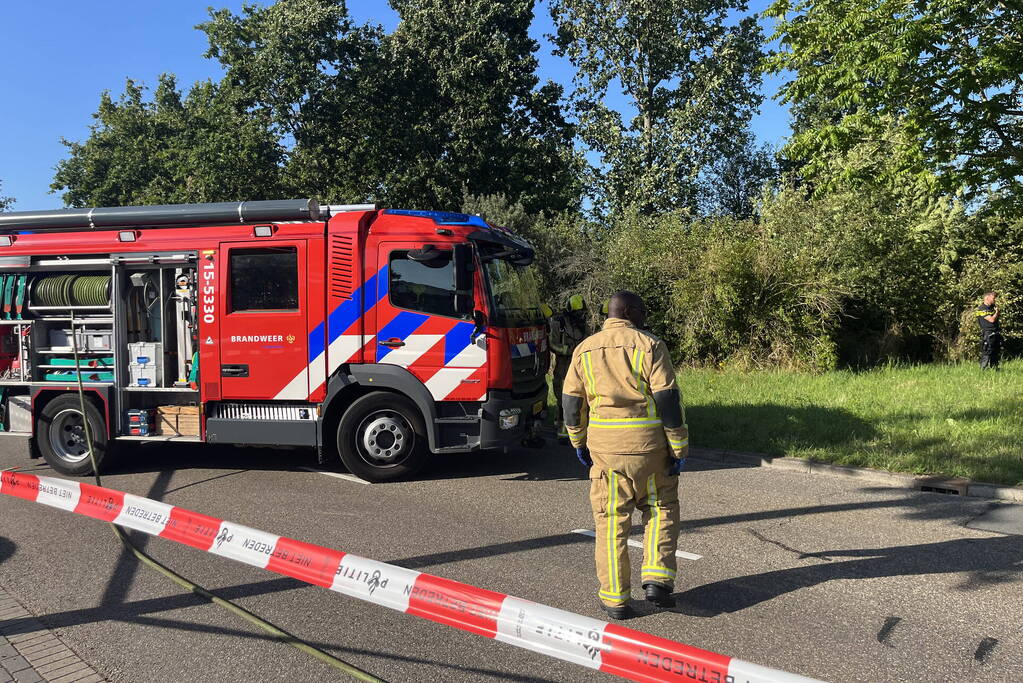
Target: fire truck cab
[[376, 336]]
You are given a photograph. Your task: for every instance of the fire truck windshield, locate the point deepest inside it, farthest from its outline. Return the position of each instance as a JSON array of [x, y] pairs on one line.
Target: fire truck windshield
[[514, 295]]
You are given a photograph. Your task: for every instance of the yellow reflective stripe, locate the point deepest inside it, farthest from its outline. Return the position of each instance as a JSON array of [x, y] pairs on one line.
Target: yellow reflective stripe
[[678, 444], [612, 509], [588, 368], [655, 521], [637, 373], [613, 596], [659, 570], [635, 362]]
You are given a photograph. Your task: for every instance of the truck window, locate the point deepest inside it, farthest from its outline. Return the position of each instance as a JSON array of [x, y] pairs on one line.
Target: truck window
[[424, 287], [264, 279]]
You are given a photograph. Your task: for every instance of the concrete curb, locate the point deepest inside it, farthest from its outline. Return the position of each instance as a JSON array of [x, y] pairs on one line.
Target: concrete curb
[[962, 487]]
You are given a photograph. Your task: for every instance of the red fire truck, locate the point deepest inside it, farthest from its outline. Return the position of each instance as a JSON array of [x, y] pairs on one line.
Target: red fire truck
[[379, 336]]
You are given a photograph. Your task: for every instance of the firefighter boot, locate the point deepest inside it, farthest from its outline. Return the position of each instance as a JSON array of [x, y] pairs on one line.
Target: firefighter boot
[[658, 594], [618, 612]]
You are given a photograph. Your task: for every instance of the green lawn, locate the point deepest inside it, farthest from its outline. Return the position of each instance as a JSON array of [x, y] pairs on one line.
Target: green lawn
[[928, 419]]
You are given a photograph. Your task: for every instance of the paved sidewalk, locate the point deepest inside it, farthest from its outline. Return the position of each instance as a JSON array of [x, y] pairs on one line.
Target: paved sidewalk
[[30, 653]]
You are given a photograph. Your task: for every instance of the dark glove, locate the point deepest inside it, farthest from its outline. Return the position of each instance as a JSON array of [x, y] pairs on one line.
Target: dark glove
[[676, 466], [584, 456]]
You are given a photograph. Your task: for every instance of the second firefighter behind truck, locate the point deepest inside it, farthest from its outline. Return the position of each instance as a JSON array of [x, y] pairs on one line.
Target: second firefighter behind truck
[[567, 329], [625, 418]]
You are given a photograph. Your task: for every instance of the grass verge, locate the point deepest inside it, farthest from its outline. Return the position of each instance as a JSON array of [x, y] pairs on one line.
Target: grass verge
[[928, 419]]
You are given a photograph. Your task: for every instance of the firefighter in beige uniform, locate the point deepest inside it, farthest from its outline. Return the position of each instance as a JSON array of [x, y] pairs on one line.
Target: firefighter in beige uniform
[[625, 418]]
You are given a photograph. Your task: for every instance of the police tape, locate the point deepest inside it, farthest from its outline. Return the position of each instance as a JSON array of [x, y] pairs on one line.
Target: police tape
[[547, 630]]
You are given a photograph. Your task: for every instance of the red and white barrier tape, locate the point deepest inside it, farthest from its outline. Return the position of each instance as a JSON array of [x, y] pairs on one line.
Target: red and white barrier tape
[[547, 630]]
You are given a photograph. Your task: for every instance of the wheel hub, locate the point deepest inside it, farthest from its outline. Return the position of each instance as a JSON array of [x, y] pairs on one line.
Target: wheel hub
[[386, 439], [67, 436]]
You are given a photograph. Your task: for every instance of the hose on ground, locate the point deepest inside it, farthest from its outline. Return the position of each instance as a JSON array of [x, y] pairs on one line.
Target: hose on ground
[[148, 560]]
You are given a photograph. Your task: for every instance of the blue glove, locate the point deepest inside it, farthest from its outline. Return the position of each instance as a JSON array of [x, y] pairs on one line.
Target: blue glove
[[676, 466], [584, 456]]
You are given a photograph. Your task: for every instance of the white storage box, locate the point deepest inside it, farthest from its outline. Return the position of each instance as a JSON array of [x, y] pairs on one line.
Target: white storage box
[[146, 353], [144, 375], [88, 340]]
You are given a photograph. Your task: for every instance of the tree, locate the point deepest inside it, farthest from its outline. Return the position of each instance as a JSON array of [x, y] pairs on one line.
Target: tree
[[450, 99], [315, 75], [480, 117], [170, 149], [733, 183], [688, 71], [947, 72], [5, 202]]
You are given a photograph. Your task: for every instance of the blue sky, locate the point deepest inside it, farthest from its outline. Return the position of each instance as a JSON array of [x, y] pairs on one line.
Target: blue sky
[[59, 55]]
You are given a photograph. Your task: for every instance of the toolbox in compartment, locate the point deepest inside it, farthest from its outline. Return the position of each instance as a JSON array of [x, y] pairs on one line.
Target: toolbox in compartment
[[145, 364], [88, 340], [19, 413], [177, 420], [140, 421], [145, 353]]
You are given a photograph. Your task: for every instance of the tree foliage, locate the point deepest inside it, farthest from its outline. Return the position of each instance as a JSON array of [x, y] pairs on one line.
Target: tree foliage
[[689, 72], [488, 124], [450, 99], [868, 248], [5, 202], [946, 72], [170, 149], [732, 184], [308, 69]]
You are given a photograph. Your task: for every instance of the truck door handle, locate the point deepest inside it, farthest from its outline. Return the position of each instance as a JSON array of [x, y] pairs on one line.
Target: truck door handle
[[234, 370], [393, 343]]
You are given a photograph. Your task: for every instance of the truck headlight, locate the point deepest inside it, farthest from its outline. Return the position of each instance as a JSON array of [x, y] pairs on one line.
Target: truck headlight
[[509, 418]]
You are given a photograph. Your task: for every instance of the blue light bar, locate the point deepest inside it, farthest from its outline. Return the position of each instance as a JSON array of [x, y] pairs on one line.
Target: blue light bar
[[441, 217]]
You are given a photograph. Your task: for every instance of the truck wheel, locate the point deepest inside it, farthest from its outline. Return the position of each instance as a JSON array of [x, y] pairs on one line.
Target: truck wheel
[[381, 437], [60, 435]]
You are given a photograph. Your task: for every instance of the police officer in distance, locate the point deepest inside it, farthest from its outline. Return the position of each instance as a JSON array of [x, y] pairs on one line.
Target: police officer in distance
[[990, 332], [625, 418], [566, 329]]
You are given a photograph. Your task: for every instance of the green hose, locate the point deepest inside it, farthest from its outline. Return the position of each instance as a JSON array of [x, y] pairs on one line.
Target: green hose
[[72, 290]]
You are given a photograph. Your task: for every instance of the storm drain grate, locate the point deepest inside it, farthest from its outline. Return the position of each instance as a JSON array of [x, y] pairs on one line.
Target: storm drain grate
[[941, 489]]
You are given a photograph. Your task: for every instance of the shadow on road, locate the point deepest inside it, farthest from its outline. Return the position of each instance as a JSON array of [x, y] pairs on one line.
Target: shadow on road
[[7, 549], [985, 561], [550, 462]]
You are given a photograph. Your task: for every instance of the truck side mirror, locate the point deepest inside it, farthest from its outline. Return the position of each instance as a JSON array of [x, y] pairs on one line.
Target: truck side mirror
[[479, 324], [464, 303]]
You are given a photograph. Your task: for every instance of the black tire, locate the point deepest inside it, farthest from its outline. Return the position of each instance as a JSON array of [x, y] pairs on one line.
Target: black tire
[[60, 436], [381, 437]]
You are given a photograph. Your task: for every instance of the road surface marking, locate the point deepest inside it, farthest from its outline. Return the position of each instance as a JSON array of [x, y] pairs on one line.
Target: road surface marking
[[636, 544], [336, 475]]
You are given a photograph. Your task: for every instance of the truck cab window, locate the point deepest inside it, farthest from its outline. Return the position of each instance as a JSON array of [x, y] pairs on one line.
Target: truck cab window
[[264, 279], [426, 287]]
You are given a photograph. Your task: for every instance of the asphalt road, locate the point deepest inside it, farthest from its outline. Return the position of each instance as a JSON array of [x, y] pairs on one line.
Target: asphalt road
[[816, 575]]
